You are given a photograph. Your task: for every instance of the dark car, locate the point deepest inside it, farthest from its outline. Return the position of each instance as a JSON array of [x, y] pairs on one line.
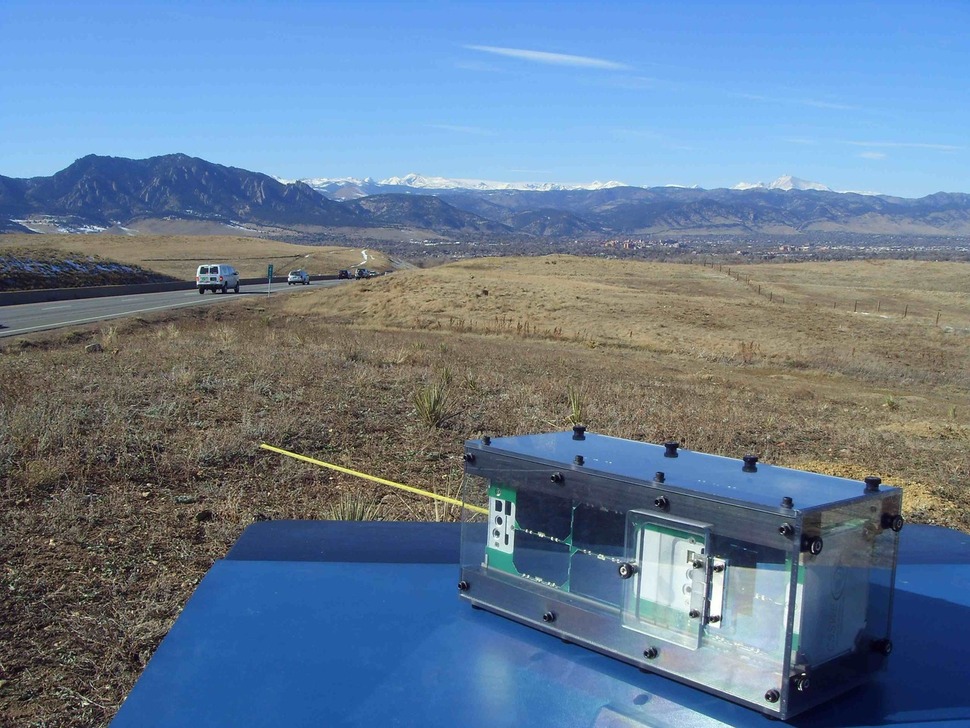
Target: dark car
[[343, 274]]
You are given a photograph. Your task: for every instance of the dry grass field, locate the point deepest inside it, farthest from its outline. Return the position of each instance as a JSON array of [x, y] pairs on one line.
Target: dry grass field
[[179, 256], [126, 471]]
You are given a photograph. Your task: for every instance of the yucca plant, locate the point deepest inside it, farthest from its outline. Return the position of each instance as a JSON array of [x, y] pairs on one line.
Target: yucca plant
[[354, 506], [577, 406], [431, 402]]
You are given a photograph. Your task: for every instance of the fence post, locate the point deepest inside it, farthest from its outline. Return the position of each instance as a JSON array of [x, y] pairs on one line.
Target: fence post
[[855, 307], [906, 310], [937, 318]]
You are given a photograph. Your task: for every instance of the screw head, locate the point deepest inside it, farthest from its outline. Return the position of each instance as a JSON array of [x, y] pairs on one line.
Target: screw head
[[556, 477], [469, 457], [549, 617], [661, 502], [651, 653], [626, 570], [801, 682], [786, 530], [463, 585], [715, 619], [718, 568], [812, 544], [693, 614], [772, 696], [896, 522], [697, 564], [883, 646]]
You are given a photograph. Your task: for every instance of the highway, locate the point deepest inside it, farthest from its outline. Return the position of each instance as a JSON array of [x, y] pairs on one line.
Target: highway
[[31, 317]]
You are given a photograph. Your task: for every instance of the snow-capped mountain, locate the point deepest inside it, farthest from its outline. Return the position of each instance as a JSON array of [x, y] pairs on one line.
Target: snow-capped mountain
[[443, 183], [785, 182], [96, 193], [351, 188]]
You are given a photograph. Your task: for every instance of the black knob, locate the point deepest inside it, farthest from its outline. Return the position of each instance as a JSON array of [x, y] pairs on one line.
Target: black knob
[[462, 585], [579, 432], [670, 449], [486, 440], [812, 544], [872, 483], [896, 522], [883, 647], [787, 502], [659, 476], [750, 464], [626, 570], [579, 460]]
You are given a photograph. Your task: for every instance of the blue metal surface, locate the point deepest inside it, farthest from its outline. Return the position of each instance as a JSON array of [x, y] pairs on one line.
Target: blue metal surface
[[355, 643], [713, 475]]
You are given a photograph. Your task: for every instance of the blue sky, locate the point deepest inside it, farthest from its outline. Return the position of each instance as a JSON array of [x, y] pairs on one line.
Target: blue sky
[[858, 96]]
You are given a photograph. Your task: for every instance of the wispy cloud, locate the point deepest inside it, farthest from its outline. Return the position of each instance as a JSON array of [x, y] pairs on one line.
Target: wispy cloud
[[531, 171], [458, 129], [636, 83], [872, 155], [819, 104], [804, 141], [907, 145], [480, 66], [793, 101], [554, 59], [662, 140]]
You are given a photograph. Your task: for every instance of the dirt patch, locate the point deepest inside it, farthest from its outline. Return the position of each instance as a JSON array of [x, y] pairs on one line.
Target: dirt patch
[[129, 467]]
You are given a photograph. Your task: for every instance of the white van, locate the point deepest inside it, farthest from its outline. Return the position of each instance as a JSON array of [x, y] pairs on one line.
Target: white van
[[217, 277]]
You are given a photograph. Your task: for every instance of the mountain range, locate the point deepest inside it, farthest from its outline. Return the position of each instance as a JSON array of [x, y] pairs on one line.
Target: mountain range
[[189, 195]]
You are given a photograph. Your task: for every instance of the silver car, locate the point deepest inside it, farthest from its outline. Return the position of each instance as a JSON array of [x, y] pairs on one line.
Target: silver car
[[298, 276]]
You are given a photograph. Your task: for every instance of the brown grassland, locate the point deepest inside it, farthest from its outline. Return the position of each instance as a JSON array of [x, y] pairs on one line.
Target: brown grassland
[[128, 469], [178, 256]]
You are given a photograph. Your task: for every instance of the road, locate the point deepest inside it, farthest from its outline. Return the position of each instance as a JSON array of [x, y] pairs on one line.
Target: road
[[30, 317]]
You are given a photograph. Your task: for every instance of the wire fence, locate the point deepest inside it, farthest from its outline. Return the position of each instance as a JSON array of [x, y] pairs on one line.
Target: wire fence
[[869, 306]]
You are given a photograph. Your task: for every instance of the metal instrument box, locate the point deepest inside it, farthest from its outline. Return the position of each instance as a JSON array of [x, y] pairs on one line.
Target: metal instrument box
[[767, 586]]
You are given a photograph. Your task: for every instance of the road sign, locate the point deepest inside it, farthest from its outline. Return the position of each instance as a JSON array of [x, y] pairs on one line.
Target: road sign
[[269, 272]]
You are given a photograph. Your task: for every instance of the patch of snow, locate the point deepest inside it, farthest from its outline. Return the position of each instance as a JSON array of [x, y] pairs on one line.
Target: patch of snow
[[749, 186], [443, 183], [786, 183], [27, 224]]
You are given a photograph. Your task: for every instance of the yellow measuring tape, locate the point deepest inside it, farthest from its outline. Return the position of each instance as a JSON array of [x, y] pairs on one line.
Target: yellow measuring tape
[[374, 479]]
